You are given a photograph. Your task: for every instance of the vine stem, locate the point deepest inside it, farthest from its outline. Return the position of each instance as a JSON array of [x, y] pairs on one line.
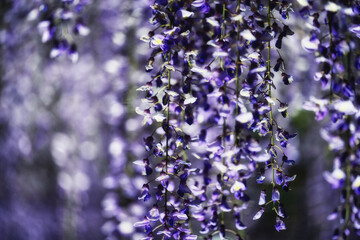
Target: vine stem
[[271, 113], [237, 82], [348, 191], [224, 124], [348, 181], [348, 163], [223, 161], [332, 62], [167, 139], [223, 17]]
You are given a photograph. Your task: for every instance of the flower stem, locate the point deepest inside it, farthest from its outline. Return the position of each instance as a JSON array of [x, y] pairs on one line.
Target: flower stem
[[223, 162], [167, 139], [224, 124], [348, 180], [348, 147], [348, 191], [332, 62], [271, 113], [223, 22], [237, 82]]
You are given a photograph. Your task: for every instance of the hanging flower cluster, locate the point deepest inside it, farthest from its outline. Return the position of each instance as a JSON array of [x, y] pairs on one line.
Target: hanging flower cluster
[[169, 101], [213, 155], [212, 91], [60, 24], [125, 178], [273, 29], [334, 40]]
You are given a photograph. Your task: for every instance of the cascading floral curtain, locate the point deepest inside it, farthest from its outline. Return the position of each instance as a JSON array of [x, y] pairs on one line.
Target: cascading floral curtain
[[179, 119]]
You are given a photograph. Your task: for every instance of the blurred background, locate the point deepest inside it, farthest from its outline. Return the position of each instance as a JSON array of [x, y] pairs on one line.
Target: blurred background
[[69, 132]]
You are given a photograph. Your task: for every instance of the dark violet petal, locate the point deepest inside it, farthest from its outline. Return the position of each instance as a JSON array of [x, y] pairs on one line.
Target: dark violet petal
[[222, 232], [239, 225], [204, 230], [176, 235], [278, 42], [281, 211], [260, 179], [195, 202], [324, 81], [178, 110], [158, 107], [159, 192], [202, 135], [280, 225], [287, 31], [165, 99], [184, 176], [279, 177], [145, 193], [244, 197], [148, 170], [183, 188], [205, 8], [285, 187], [149, 143], [290, 162], [278, 64], [148, 230], [287, 79], [162, 2], [224, 206], [215, 194]]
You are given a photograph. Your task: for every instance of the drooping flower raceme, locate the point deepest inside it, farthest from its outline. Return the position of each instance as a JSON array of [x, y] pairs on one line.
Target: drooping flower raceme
[[333, 40], [60, 23], [170, 98], [198, 81]]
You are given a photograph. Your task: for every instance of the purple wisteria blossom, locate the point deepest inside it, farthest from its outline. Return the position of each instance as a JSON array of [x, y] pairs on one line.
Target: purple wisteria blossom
[[179, 119], [334, 45]]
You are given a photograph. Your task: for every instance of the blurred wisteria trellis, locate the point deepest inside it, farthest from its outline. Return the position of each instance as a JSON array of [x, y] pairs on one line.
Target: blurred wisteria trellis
[[179, 119]]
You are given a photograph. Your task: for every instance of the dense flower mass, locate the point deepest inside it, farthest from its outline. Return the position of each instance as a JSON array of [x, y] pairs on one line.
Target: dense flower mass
[[180, 119], [222, 93], [338, 72]]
